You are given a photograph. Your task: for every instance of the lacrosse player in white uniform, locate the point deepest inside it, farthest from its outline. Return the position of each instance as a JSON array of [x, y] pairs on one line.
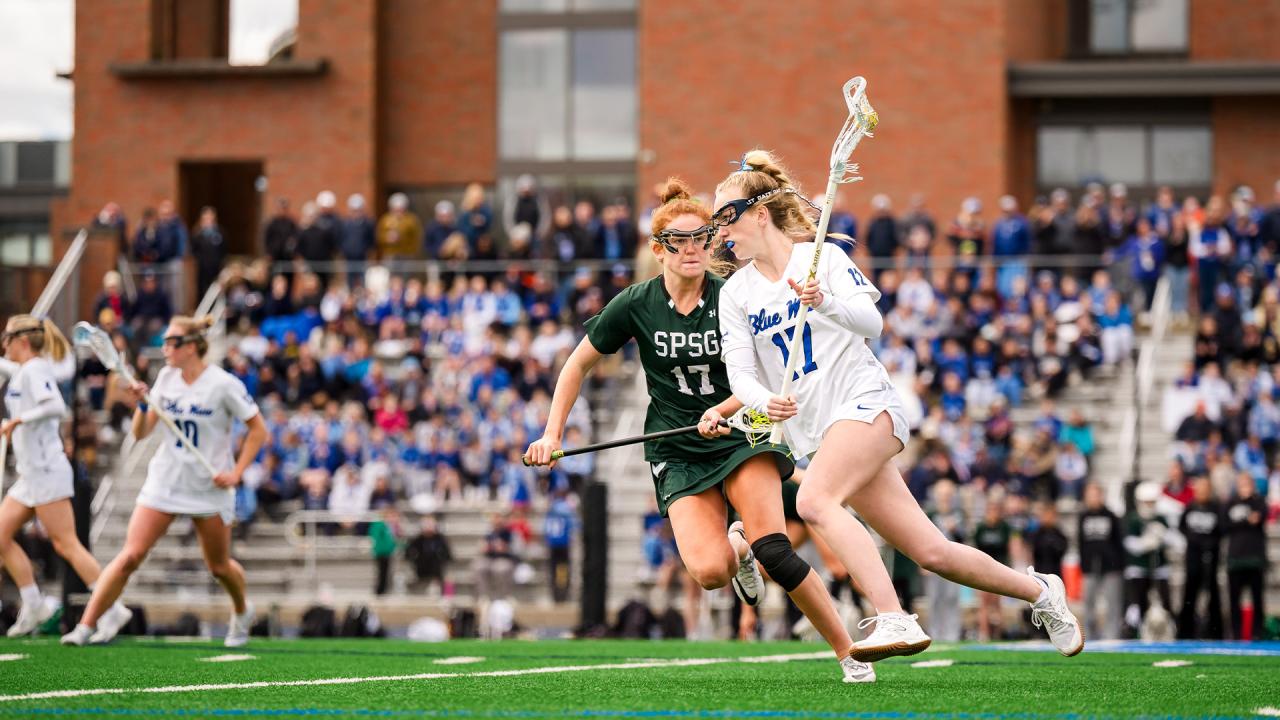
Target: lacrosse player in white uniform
[[842, 411], [204, 401], [44, 482]]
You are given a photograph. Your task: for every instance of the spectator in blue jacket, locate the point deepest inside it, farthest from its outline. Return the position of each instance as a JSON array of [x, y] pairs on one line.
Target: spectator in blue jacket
[[443, 225], [558, 529], [357, 239], [147, 247], [476, 219], [1010, 239], [1145, 251], [173, 233], [151, 309]]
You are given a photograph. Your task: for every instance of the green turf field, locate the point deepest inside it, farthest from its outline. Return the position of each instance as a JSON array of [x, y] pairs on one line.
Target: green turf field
[[388, 678]]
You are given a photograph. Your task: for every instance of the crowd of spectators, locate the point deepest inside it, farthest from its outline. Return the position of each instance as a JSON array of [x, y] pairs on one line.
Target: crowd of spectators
[[383, 385]]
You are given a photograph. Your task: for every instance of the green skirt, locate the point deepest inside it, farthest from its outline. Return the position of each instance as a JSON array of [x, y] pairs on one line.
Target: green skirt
[[674, 479]]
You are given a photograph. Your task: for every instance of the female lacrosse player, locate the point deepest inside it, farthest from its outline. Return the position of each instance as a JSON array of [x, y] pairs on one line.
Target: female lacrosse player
[[204, 401], [44, 484], [673, 319], [844, 411]]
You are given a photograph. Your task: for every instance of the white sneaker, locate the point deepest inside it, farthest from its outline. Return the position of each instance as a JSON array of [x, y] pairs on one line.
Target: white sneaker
[[895, 634], [1051, 612], [747, 583], [238, 628], [31, 617], [79, 636], [110, 624], [856, 671]]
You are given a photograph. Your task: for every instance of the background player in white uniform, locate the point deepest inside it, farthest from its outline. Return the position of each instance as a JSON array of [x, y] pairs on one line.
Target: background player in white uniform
[[44, 483], [204, 401], [843, 411]]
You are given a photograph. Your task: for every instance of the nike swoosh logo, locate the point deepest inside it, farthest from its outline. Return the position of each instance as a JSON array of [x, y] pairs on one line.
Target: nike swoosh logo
[[864, 408]]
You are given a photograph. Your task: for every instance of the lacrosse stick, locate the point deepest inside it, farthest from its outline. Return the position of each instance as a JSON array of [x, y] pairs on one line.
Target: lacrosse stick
[[4, 458], [755, 425], [861, 121], [97, 340]]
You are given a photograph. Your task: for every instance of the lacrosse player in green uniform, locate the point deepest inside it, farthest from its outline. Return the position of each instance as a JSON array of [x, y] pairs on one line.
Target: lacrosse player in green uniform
[[673, 318]]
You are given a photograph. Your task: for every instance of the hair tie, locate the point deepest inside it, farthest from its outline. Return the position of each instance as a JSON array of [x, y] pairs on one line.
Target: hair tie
[[743, 165]]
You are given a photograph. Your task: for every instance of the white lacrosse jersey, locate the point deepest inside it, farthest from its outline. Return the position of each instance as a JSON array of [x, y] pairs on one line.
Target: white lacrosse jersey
[[205, 411], [37, 446], [837, 366]]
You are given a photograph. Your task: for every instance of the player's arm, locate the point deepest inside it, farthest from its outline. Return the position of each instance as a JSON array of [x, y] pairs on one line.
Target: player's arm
[[253, 442], [144, 416], [49, 402], [851, 302], [739, 356], [568, 387]]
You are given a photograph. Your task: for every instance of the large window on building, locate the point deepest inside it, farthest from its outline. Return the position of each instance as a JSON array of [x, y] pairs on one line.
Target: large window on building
[[261, 30], [568, 94], [241, 32], [1137, 154], [25, 243], [1120, 27], [35, 164], [567, 98]]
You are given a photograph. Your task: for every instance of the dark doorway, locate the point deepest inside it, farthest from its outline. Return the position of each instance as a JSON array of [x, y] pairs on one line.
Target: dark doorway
[[231, 189]]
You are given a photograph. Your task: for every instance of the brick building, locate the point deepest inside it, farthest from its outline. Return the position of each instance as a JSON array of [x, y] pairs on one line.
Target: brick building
[[606, 97]]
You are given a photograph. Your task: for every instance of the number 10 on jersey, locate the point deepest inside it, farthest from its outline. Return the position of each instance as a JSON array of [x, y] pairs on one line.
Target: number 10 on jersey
[[189, 429], [783, 344]]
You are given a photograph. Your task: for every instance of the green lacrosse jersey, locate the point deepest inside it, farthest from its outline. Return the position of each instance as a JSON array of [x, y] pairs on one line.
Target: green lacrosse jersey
[[681, 359], [1136, 526]]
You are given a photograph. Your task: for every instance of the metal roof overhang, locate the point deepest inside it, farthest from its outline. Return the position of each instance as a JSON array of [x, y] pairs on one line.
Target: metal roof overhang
[[1143, 78]]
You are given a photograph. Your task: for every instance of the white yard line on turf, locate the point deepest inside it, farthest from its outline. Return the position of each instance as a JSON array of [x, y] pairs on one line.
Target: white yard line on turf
[[1170, 663], [7, 657], [226, 658], [460, 660], [51, 694], [788, 658]]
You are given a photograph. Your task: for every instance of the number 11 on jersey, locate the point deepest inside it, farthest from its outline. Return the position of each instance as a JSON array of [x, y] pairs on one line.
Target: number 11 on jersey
[[783, 344]]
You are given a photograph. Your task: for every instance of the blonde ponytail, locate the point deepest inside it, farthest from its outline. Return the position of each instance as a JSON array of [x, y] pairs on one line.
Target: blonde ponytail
[[53, 341]]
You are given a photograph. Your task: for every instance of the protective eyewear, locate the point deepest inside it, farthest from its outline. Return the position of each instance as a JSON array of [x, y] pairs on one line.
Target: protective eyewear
[[6, 337], [677, 240], [732, 211], [177, 341]]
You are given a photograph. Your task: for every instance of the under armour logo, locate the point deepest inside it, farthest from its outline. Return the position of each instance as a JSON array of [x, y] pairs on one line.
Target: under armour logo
[[711, 313]]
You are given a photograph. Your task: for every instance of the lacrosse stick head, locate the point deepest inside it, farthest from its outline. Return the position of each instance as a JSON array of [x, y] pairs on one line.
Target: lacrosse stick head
[[752, 423], [98, 342], [861, 122]]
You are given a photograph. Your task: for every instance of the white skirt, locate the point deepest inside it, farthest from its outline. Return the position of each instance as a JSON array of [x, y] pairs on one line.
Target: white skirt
[[49, 485], [868, 406], [217, 501]]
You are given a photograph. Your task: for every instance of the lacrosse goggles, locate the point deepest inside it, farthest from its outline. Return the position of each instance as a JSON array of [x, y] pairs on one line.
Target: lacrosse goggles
[[676, 241], [732, 211]]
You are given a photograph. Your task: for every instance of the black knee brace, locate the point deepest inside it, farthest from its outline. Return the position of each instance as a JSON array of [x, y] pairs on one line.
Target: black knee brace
[[780, 561]]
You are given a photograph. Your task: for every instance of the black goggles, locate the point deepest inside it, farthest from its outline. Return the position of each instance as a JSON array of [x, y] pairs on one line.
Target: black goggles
[[676, 240], [730, 212], [6, 337], [177, 341]]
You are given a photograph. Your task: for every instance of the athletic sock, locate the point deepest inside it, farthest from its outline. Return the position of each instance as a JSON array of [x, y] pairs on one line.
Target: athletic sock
[[1044, 589], [30, 595]]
